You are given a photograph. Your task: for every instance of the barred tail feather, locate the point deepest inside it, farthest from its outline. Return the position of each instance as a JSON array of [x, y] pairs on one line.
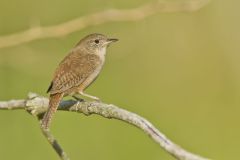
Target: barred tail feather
[[54, 101]]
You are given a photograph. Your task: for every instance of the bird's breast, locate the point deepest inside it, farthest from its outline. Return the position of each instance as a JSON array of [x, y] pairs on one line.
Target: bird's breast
[[102, 53]]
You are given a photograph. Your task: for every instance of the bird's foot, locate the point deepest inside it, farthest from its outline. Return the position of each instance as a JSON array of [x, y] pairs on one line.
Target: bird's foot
[[76, 105]]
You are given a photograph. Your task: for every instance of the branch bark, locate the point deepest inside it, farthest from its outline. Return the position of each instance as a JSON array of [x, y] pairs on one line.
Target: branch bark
[[110, 15], [37, 105]]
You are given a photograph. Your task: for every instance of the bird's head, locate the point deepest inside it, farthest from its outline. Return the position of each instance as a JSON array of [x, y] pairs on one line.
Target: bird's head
[[96, 43]]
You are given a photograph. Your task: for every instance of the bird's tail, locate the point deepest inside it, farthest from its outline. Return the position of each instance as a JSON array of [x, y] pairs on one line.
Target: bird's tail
[[54, 101]]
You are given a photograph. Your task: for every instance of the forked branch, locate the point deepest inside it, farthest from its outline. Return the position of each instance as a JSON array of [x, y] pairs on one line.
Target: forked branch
[[37, 105]]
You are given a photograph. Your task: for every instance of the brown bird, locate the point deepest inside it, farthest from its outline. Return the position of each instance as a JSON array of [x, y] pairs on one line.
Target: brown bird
[[76, 72]]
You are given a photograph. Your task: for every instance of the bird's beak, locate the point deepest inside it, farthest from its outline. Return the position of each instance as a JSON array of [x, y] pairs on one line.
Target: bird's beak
[[110, 40]]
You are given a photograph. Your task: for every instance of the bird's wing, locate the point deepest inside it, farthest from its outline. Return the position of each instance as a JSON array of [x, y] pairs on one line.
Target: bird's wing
[[72, 71]]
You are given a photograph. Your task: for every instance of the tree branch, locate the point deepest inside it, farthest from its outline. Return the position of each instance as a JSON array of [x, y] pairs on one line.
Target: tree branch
[[111, 15], [37, 105]]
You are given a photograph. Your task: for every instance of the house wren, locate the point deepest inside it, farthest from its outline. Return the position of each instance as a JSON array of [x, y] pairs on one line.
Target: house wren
[[77, 71]]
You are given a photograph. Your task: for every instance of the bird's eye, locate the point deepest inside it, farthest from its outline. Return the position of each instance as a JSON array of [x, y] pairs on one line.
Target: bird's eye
[[96, 41]]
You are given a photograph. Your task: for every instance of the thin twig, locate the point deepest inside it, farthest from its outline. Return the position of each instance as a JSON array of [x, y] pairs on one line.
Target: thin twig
[[37, 105], [111, 15], [56, 146]]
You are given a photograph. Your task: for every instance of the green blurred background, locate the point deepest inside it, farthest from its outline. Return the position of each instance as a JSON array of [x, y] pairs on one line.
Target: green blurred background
[[179, 70]]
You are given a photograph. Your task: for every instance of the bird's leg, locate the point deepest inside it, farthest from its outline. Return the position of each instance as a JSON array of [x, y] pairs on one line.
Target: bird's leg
[[89, 96], [78, 98]]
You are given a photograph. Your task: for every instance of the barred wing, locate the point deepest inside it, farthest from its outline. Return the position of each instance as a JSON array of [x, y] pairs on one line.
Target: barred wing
[[73, 71]]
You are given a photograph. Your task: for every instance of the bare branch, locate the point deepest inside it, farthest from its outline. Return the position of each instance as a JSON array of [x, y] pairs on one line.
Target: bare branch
[[111, 15], [56, 146], [13, 104], [37, 105]]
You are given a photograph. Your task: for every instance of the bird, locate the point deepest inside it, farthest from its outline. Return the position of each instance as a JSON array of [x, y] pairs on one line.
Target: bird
[[76, 72]]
